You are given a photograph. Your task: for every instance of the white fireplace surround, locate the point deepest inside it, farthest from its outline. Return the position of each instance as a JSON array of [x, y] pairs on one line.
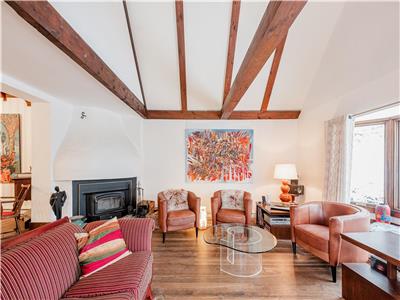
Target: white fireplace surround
[[103, 145]]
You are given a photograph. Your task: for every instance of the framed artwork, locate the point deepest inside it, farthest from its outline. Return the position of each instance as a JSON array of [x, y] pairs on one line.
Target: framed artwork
[[10, 146], [219, 155]]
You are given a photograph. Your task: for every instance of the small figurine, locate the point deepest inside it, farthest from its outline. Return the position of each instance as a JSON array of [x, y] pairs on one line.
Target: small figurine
[[382, 213], [57, 201]]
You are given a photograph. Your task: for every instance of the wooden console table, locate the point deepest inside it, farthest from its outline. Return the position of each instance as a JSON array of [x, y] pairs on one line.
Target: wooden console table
[[359, 280]]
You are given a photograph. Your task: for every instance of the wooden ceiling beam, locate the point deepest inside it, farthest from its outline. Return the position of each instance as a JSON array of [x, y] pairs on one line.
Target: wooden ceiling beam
[[4, 96], [231, 47], [180, 29], [43, 17], [216, 115], [272, 74], [128, 22], [277, 19]]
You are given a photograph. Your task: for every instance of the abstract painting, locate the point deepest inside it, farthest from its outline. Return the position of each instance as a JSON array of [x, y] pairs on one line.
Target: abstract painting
[[219, 155], [10, 146]]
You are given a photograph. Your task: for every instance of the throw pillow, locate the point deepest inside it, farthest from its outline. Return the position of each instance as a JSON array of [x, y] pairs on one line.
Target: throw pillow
[[232, 199], [176, 199], [101, 247]]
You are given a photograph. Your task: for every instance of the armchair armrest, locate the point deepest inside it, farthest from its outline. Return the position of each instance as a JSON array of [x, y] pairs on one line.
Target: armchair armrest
[[194, 205], [358, 222], [215, 206], [248, 204], [162, 212]]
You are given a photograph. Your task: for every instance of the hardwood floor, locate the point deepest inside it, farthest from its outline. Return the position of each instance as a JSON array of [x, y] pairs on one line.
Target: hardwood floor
[[186, 268]]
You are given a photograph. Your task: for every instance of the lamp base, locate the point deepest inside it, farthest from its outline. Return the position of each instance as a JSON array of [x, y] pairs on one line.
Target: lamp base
[[285, 188]]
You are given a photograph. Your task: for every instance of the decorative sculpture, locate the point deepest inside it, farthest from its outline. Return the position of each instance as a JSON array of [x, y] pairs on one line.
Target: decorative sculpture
[[57, 201]]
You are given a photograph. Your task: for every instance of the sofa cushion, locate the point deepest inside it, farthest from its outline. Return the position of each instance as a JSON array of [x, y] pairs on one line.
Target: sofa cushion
[[131, 274], [231, 216], [232, 199], [102, 246], [180, 217], [176, 199], [41, 268], [317, 236]]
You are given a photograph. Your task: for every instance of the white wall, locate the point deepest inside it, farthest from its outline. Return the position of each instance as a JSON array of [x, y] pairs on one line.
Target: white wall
[[41, 162], [18, 106], [164, 156]]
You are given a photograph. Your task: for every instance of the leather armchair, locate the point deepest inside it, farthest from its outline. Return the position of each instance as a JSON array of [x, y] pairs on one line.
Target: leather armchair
[[316, 226], [178, 219], [221, 215]]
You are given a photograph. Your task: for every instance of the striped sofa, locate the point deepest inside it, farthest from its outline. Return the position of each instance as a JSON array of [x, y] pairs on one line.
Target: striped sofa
[[43, 264]]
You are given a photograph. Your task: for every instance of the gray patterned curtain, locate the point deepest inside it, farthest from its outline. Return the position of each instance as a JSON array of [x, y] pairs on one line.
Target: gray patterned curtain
[[338, 149]]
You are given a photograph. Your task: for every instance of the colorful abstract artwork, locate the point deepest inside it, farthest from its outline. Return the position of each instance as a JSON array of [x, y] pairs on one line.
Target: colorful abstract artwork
[[219, 155], [10, 146]]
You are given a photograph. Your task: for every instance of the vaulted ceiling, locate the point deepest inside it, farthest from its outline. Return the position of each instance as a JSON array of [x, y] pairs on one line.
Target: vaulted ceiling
[[206, 37]]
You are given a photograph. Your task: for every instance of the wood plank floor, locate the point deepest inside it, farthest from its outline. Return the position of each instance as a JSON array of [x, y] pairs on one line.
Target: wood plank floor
[[186, 268]]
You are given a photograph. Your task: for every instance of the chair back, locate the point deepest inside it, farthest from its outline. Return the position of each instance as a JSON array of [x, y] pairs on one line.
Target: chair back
[[19, 201]]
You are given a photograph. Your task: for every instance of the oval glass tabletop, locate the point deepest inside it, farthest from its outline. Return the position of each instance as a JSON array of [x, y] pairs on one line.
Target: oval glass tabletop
[[240, 237]]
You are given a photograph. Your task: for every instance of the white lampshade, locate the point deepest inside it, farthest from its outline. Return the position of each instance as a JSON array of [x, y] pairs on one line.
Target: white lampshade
[[285, 171]]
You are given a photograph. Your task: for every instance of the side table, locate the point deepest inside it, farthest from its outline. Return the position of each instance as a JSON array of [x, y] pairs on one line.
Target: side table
[[275, 221]]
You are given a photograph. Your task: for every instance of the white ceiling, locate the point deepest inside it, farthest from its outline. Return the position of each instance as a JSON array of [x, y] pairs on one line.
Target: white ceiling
[[323, 34]]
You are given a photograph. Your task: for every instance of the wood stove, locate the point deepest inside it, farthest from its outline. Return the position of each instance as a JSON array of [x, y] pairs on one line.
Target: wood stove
[[104, 199]]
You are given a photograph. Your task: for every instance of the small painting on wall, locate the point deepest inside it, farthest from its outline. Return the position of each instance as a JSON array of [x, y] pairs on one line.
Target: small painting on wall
[[10, 146], [219, 155]]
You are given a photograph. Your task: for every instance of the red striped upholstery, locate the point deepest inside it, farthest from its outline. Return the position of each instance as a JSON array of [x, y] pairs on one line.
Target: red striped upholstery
[[119, 296], [137, 232], [42, 268], [117, 278], [7, 213], [12, 242], [43, 264]]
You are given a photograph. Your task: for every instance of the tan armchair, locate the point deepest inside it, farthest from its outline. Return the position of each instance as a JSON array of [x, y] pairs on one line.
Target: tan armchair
[[316, 227], [224, 215], [178, 219]]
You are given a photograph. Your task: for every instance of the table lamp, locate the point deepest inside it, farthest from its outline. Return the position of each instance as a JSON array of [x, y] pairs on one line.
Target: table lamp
[[285, 172]]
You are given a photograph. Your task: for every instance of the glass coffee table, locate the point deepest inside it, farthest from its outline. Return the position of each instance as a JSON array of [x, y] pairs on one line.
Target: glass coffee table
[[241, 247]]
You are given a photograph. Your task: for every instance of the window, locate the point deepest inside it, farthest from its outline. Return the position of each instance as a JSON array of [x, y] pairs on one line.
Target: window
[[375, 173], [368, 164]]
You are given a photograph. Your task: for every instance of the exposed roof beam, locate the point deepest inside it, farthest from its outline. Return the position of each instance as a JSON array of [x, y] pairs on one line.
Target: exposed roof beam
[[42, 16], [180, 29], [128, 22], [215, 115], [272, 74], [231, 47], [4, 96], [277, 19]]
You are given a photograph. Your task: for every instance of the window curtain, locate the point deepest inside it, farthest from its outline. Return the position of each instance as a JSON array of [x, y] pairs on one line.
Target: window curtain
[[338, 150]]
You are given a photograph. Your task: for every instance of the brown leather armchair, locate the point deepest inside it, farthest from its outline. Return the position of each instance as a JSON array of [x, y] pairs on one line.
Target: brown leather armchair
[[316, 226], [222, 215], [178, 219]]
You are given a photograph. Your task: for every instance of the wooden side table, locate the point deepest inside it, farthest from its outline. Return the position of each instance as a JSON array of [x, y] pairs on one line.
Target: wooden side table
[[359, 280], [275, 221]]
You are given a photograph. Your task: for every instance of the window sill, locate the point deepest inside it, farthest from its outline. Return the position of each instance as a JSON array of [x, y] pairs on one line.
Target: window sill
[[393, 220], [395, 213]]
